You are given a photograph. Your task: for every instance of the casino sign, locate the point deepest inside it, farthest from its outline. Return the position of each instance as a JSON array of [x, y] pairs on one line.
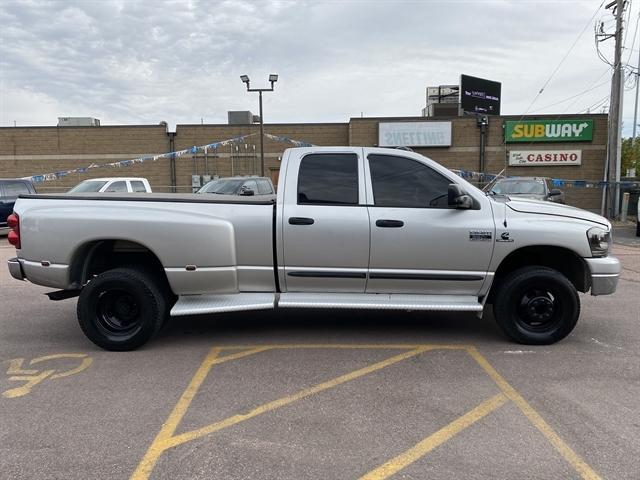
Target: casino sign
[[542, 158]]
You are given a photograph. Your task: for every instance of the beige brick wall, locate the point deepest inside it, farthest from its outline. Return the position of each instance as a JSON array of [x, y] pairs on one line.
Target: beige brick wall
[[241, 160], [26, 151]]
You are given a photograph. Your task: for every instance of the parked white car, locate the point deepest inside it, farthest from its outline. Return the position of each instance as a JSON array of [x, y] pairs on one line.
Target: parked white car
[[113, 184]]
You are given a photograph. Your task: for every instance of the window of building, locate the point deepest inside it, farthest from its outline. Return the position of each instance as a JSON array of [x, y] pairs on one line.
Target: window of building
[[328, 179], [403, 182]]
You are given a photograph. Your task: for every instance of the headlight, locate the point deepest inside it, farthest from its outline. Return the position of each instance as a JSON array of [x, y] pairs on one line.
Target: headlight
[[599, 241]]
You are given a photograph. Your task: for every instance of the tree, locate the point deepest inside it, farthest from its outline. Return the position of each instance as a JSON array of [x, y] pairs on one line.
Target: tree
[[630, 155]]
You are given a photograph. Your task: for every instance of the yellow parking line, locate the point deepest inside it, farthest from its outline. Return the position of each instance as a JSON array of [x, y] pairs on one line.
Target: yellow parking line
[[281, 402], [169, 427], [352, 346], [165, 438], [438, 438], [585, 471], [251, 350]]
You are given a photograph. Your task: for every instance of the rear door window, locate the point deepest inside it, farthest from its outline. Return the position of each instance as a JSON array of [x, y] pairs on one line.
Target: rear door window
[[119, 186], [137, 186], [328, 179]]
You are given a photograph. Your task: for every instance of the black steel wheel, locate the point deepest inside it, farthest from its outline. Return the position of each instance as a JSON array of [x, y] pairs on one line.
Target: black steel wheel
[[536, 306], [121, 309]]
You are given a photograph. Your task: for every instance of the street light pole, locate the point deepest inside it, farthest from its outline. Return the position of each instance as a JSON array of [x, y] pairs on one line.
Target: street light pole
[[261, 137], [273, 78]]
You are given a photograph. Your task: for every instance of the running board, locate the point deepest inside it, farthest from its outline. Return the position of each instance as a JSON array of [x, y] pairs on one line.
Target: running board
[[236, 302], [381, 301], [232, 302]]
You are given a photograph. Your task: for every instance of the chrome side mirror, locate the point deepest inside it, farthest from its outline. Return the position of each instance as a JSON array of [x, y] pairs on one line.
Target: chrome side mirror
[[457, 198]]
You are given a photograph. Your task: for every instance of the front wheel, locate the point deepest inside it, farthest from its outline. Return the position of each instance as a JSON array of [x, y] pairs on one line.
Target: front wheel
[[536, 306], [121, 309]]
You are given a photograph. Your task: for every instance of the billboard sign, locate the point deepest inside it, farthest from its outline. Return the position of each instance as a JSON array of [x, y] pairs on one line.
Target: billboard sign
[[478, 95], [414, 134], [548, 131], [544, 158]]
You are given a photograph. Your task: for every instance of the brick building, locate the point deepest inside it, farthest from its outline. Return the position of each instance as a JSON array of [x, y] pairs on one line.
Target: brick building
[[26, 151]]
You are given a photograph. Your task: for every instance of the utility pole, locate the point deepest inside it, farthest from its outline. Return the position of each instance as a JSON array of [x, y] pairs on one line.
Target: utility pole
[[636, 165], [615, 125]]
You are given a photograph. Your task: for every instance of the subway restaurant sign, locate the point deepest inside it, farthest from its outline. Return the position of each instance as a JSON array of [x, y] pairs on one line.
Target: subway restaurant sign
[[548, 131]]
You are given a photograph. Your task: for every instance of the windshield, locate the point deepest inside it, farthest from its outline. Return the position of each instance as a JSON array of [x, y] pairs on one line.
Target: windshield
[[514, 187], [222, 186], [88, 186]]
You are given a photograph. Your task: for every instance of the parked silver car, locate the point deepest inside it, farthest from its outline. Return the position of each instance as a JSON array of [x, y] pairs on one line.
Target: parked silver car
[[538, 188], [246, 186]]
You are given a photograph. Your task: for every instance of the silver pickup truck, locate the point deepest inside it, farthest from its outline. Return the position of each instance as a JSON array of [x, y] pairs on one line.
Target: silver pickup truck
[[351, 227]]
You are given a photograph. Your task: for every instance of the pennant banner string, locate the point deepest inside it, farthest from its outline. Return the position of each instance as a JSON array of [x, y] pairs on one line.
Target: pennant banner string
[[46, 177], [466, 174]]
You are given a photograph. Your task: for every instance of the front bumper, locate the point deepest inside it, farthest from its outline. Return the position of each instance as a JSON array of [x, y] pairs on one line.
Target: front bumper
[[15, 268], [605, 273]]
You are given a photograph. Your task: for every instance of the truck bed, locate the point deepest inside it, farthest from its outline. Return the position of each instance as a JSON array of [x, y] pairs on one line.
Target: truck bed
[[214, 244]]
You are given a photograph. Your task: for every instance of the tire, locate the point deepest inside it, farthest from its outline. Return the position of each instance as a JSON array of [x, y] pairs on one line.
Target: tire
[[121, 309], [536, 306], [162, 283]]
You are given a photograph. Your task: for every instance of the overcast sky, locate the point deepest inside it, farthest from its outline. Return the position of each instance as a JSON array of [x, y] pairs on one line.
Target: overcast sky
[[141, 62]]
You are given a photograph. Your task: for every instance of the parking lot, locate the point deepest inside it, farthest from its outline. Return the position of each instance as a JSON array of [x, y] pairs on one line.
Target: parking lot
[[321, 394]]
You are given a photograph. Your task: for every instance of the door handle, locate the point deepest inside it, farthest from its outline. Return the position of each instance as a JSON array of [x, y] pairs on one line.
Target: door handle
[[300, 221], [389, 223]]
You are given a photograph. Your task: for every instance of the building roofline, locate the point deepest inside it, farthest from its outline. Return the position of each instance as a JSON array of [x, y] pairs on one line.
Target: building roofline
[[244, 125], [534, 116], [96, 127]]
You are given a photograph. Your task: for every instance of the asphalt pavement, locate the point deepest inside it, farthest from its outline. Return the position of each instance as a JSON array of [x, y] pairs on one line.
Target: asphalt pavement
[[320, 394], [625, 234]]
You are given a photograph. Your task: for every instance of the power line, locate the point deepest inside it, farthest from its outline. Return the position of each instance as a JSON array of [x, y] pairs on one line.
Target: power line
[[635, 31], [574, 102], [564, 58], [597, 104], [578, 94]]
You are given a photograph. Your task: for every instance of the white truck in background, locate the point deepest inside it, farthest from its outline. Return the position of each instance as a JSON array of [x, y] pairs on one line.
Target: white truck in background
[[113, 184]]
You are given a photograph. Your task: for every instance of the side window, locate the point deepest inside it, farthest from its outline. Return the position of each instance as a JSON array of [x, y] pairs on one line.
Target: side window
[[120, 186], [264, 188], [13, 189], [137, 186], [328, 179], [403, 182]]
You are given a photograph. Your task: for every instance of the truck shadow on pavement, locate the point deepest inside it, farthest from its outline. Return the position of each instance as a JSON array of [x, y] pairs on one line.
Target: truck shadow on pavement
[[311, 325]]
